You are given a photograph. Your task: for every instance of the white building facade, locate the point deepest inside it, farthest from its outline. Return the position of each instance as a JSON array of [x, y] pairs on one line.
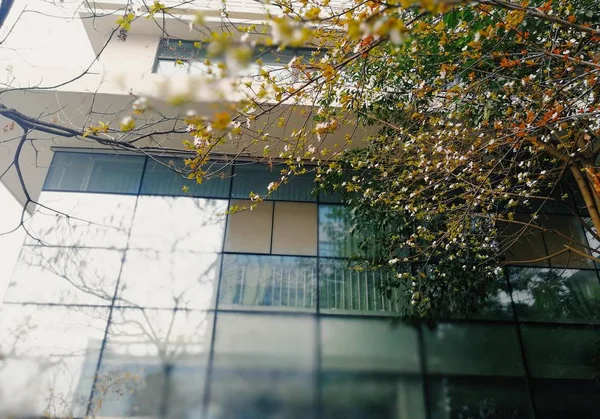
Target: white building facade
[[133, 298]]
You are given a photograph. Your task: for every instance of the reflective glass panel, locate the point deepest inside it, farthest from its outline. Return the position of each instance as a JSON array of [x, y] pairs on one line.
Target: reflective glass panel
[[263, 367], [479, 397], [344, 288], [351, 344], [65, 275], [154, 364], [181, 279], [161, 180], [472, 349], [335, 238], [92, 220], [254, 177], [522, 242], [564, 231], [178, 223], [268, 281], [265, 341], [361, 396], [49, 358], [559, 295], [561, 351], [566, 398], [171, 68], [95, 173]]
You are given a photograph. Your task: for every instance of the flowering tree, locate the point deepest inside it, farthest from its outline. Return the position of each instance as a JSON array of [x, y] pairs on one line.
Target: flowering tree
[[482, 109], [472, 111]]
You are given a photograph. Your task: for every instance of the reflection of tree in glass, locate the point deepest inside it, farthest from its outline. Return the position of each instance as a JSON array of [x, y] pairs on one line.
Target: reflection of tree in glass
[[556, 294], [152, 360]]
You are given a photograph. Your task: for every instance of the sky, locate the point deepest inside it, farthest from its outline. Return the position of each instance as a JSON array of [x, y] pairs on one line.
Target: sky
[[10, 245]]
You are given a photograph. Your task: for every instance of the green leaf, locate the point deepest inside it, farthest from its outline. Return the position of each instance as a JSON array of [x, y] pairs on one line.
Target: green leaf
[[451, 19]]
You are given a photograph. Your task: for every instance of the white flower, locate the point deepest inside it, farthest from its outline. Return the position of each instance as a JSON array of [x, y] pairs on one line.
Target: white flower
[[271, 186], [141, 104]]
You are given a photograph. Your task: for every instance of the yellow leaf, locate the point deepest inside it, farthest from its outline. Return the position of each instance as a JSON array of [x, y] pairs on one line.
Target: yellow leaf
[[313, 13], [127, 124], [221, 120], [328, 71], [514, 18]]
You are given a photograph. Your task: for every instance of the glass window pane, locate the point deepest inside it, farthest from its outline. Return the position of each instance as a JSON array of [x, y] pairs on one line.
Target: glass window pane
[[569, 232], [194, 224], [93, 220], [333, 198], [268, 281], [161, 180], [472, 349], [295, 229], [255, 177], [593, 242], [95, 173], [298, 188], [560, 351], [171, 67], [560, 295], [181, 279], [351, 344], [345, 289], [49, 358], [65, 275], [566, 398], [252, 177], [261, 394], [176, 48], [154, 362], [334, 232], [265, 341], [249, 231], [360, 396], [522, 243], [479, 397], [263, 367], [201, 68], [564, 363]]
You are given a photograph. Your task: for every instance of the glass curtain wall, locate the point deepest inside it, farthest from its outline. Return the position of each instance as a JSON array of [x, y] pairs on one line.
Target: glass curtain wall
[[133, 298]]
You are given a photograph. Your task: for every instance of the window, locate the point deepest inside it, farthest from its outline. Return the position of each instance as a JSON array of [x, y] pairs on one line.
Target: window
[[268, 281], [344, 288], [177, 57], [161, 179], [560, 295], [95, 173]]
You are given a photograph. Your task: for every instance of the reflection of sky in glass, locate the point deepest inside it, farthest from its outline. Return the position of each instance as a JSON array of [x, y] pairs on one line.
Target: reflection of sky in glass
[[46, 349], [147, 352], [174, 224], [270, 355], [95, 220], [65, 275], [166, 279]]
